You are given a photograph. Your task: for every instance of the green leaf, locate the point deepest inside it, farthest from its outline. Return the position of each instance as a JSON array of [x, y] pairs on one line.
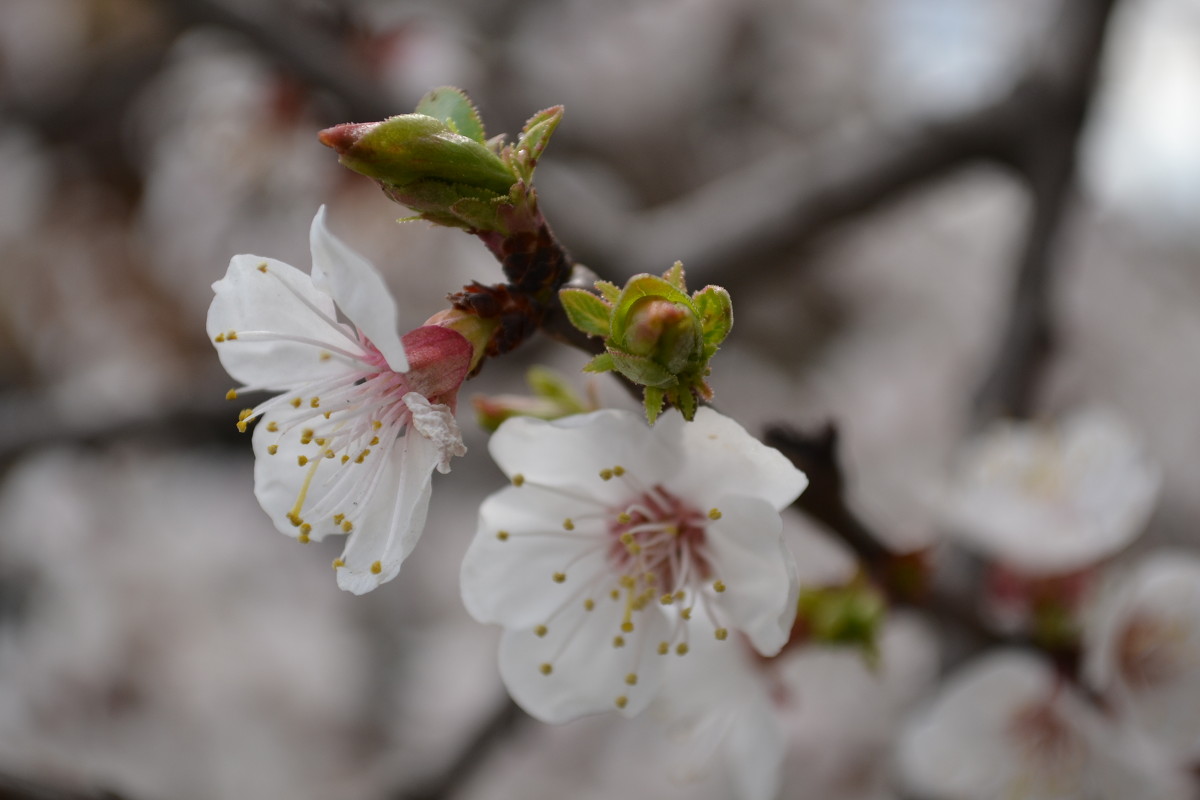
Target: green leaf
[[641, 370], [610, 291], [553, 385], [455, 109], [586, 311], [601, 363], [652, 398], [537, 132], [716, 313], [674, 276], [686, 403], [637, 287]]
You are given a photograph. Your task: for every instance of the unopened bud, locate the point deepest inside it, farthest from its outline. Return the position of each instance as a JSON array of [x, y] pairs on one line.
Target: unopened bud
[[665, 332]]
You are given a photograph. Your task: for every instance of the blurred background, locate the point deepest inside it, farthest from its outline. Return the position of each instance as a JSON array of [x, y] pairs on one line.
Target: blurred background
[[880, 183]]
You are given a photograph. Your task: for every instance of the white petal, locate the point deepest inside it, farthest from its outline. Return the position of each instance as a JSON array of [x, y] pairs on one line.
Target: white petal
[[720, 457], [750, 558], [358, 290], [279, 479], [392, 518], [436, 423], [589, 673], [571, 452], [511, 582], [282, 301]]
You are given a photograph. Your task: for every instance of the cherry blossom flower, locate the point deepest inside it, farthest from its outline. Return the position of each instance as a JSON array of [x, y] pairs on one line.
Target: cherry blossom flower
[[1052, 500], [618, 544], [1007, 728], [364, 415], [1142, 647]]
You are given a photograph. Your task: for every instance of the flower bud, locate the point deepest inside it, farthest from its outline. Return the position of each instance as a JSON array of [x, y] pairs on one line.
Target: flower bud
[[475, 329], [665, 332]]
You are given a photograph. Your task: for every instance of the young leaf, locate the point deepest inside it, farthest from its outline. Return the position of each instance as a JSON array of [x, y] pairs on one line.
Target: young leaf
[[653, 400], [640, 369], [536, 134], [586, 311], [610, 291], [455, 109], [674, 276], [601, 363], [716, 313], [686, 402]]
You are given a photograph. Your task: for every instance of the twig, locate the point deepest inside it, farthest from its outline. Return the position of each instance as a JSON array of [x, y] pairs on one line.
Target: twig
[[458, 771], [14, 788]]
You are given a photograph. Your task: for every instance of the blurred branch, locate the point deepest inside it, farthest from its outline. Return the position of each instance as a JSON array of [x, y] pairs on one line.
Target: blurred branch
[[1047, 156], [13, 788], [314, 58], [470, 758]]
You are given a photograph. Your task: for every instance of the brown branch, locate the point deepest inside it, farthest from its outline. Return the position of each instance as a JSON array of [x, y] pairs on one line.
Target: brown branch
[[14, 788]]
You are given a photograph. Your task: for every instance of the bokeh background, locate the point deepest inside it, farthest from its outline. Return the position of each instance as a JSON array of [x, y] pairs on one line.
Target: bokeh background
[[868, 177]]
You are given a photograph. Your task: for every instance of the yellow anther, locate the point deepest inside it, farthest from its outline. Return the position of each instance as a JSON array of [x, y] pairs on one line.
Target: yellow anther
[[518, 479], [614, 594], [305, 529], [621, 701], [324, 356], [345, 459], [220, 337], [262, 267], [348, 526], [718, 586], [502, 536], [374, 441], [626, 538], [315, 402], [624, 518], [231, 394], [664, 648], [627, 626], [618, 641], [376, 567], [606, 474], [303, 538], [339, 562], [320, 441], [568, 525], [337, 518], [666, 599], [273, 426], [618, 470], [633, 549], [306, 435], [686, 613], [377, 424], [540, 630], [245, 413], [327, 414], [722, 634], [681, 649], [589, 604], [272, 449], [714, 513], [627, 581], [302, 460], [295, 519], [295, 402], [680, 594], [361, 456], [559, 577], [631, 679], [546, 669], [330, 454], [241, 426], [231, 335]]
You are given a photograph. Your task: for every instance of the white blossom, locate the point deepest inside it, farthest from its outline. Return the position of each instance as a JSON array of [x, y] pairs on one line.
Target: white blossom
[[618, 544], [1142, 648], [1051, 500], [364, 416], [1008, 728]]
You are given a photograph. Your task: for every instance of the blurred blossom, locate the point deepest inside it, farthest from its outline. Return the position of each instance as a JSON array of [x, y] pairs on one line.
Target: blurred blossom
[[610, 537], [166, 648], [1007, 728], [365, 417], [1143, 649], [1052, 500]]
